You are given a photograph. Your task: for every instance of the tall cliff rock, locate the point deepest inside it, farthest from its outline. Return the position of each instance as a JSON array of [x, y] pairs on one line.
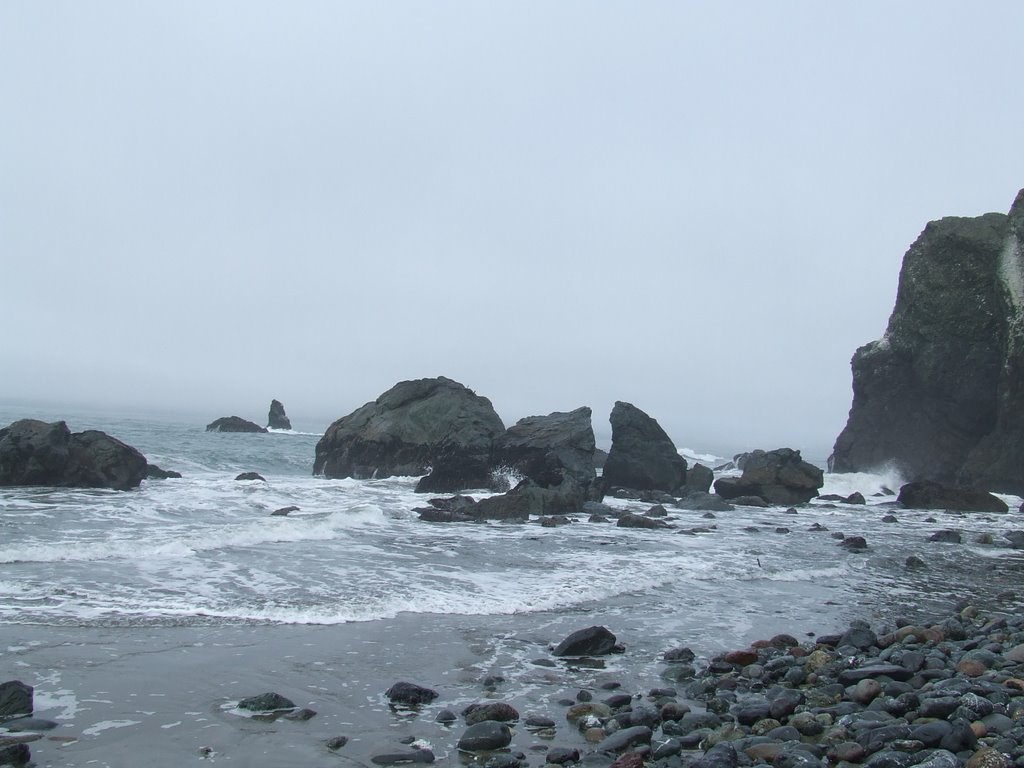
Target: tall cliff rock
[[941, 394]]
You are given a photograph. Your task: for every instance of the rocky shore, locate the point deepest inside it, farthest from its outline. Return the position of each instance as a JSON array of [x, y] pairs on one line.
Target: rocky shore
[[941, 694]]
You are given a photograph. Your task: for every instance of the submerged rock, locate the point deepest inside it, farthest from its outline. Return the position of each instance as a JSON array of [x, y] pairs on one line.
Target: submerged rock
[[266, 702], [39, 453], [277, 418], [233, 424], [410, 694]]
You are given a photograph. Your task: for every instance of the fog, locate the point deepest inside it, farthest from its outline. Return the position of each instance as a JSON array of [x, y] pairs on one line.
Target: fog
[[699, 208]]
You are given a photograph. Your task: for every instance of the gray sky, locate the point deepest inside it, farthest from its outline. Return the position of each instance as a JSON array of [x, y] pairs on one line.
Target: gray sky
[[700, 208]]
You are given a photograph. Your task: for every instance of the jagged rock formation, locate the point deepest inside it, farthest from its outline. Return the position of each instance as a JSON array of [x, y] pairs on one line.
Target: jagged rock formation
[[233, 424], [941, 395], [642, 456], [779, 477], [277, 418], [414, 426], [39, 453]]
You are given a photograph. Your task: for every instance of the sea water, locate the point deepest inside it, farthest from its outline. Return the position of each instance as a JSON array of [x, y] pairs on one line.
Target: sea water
[[204, 557]]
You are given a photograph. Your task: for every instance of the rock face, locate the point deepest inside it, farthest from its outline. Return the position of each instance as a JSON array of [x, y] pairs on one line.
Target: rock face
[[39, 453], [414, 426], [941, 395], [277, 418], [928, 495], [642, 456], [233, 424], [779, 477]]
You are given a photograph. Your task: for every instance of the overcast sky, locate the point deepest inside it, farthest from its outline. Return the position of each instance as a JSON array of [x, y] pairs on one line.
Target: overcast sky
[[699, 208]]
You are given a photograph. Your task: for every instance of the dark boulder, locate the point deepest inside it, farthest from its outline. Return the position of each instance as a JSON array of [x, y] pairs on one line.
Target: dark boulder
[[491, 710], [699, 479], [704, 501], [926, 494], [266, 702], [941, 395], [414, 426], [251, 476], [15, 699], [641, 521], [642, 456], [485, 737], [16, 754], [233, 424], [778, 477], [284, 511], [39, 453], [549, 450], [410, 694], [528, 499], [277, 418], [153, 472], [592, 641]]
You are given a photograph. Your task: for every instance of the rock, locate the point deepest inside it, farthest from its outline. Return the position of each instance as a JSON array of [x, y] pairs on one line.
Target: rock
[[15, 699], [625, 738], [412, 427], [721, 755], [153, 472], [403, 758], [301, 715], [704, 501], [914, 562], [778, 477], [284, 511], [233, 424], [699, 479], [251, 476], [549, 449], [927, 494], [485, 737], [641, 521], [277, 418], [941, 394], [15, 754], [562, 755], [642, 456], [492, 710], [854, 543], [39, 453], [592, 641], [528, 499], [266, 702], [946, 537], [856, 498], [1016, 539], [410, 694]]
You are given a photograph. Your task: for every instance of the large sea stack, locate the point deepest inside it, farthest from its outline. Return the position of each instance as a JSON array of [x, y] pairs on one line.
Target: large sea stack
[[642, 455], [414, 426], [277, 418], [941, 394]]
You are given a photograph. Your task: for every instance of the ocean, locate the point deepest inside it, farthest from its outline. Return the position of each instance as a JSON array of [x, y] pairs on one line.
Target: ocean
[[142, 617]]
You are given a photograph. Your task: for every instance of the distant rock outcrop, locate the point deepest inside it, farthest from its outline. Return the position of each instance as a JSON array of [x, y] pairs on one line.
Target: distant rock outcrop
[[277, 418], [779, 477], [941, 395], [414, 426], [233, 424], [39, 453], [642, 455]]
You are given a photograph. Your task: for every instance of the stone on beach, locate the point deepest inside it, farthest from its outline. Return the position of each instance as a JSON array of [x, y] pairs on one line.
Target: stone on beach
[[642, 455], [485, 736], [592, 641]]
